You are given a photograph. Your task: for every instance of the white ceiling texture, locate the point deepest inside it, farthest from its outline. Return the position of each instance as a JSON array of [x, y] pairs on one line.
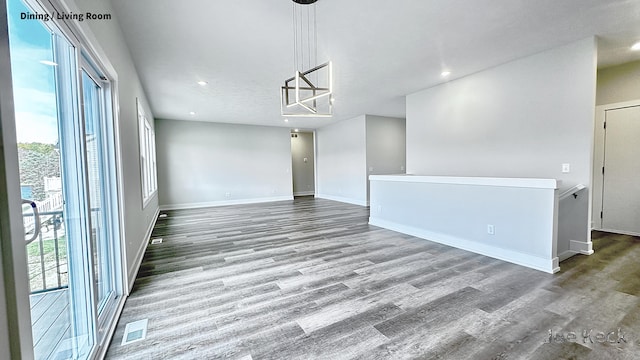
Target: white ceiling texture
[[381, 50]]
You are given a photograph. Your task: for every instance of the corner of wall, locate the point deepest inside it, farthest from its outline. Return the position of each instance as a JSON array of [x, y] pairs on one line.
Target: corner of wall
[[342, 161]]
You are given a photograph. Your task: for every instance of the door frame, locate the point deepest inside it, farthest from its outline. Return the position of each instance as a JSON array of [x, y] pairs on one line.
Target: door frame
[[315, 164], [12, 247], [597, 180], [97, 74]]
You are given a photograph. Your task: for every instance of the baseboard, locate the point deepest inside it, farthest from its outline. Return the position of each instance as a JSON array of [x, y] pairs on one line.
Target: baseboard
[[567, 254], [304, 193], [581, 247], [343, 199], [575, 248], [547, 265], [621, 232], [133, 272], [225, 203]]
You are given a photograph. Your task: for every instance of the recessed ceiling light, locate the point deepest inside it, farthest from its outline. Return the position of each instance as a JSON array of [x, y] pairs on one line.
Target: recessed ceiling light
[[47, 62], [192, 112], [445, 73], [202, 83], [636, 46]]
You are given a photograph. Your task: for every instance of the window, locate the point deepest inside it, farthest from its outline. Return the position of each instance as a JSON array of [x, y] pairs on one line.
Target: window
[[147, 156]]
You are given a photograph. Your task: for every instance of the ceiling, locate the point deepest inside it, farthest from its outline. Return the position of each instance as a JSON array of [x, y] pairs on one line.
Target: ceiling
[[381, 50]]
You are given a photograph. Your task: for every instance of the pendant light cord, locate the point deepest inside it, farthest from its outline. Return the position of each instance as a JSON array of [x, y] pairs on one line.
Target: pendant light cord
[[299, 36], [315, 34], [295, 38], [308, 35]]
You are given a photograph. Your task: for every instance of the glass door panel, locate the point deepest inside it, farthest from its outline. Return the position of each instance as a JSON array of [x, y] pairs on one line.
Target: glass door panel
[[44, 77], [75, 202], [101, 239]]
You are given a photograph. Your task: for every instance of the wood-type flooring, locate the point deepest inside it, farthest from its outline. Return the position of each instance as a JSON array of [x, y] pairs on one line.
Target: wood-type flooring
[[50, 322], [310, 279]]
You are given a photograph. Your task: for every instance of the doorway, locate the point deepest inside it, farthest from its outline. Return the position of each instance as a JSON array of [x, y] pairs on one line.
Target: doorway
[[303, 163], [619, 207]]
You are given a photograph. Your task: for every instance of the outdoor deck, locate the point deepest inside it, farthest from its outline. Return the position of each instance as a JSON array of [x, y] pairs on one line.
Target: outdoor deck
[[50, 322]]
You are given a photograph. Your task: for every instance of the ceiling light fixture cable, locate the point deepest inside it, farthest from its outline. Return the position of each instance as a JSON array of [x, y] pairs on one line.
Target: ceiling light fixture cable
[[295, 38], [308, 92], [309, 33], [315, 37]]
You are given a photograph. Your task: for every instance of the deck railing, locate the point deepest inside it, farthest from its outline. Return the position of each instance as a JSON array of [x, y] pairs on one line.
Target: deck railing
[[47, 255], [52, 203]]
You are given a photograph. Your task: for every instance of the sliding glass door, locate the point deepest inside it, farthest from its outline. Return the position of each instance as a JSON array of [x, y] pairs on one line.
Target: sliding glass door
[[67, 173], [94, 96]]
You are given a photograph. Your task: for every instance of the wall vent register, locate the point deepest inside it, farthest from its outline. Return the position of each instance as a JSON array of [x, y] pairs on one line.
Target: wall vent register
[[135, 331]]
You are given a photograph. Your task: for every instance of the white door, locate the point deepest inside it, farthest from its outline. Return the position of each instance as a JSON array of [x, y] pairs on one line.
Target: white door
[[621, 189]]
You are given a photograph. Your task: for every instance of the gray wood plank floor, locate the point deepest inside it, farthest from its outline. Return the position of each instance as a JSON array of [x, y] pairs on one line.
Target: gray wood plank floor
[[50, 321], [311, 279]]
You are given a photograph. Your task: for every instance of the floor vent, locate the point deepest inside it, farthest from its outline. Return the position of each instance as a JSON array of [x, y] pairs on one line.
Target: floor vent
[[135, 331], [156, 241]]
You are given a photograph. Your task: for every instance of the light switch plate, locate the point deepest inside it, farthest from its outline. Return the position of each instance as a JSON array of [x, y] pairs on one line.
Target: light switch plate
[[566, 168]]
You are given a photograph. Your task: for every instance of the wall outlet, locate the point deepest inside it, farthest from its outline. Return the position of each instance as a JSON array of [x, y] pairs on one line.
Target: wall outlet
[[491, 230], [566, 168], [370, 168], [228, 194]]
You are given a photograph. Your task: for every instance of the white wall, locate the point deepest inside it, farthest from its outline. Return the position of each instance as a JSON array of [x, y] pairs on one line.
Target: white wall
[[386, 146], [341, 161], [302, 148], [208, 164], [521, 119], [571, 211], [618, 83], [457, 211], [109, 41]]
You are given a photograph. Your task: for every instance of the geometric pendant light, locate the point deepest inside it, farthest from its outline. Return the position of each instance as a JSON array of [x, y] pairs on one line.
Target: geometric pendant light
[[308, 93]]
